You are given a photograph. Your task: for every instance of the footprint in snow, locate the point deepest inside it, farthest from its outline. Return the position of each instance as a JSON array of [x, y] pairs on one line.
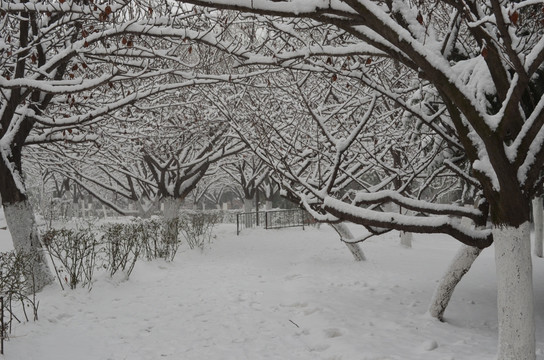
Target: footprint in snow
[[319, 347], [295, 305], [293, 276], [63, 316], [255, 305], [59, 317], [429, 345], [333, 333], [311, 311]]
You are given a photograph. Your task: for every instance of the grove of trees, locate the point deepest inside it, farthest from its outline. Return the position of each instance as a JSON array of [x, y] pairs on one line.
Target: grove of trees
[[418, 116], [71, 68]]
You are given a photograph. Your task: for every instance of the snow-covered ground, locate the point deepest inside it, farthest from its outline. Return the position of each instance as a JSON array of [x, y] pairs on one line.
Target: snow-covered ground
[[276, 294]]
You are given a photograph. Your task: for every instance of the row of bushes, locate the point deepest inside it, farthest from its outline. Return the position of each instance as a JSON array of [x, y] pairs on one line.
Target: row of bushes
[[17, 290], [115, 247], [76, 254]]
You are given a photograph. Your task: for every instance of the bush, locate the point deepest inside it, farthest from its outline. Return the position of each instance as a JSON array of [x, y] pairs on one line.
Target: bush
[[197, 227], [122, 244], [170, 240], [17, 287], [75, 252], [160, 238], [151, 237]]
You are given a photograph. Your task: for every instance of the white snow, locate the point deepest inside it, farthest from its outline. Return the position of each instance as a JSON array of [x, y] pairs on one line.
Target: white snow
[[276, 294]]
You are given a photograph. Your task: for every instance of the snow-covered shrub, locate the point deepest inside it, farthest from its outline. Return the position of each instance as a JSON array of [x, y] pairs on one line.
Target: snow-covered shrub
[[169, 239], [160, 238], [73, 253], [122, 245], [151, 235], [17, 288], [197, 227]]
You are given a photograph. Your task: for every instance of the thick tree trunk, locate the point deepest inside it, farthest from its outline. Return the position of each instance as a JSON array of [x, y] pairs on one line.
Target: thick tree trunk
[[461, 263], [20, 218], [248, 205], [171, 213], [538, 217], [24, 232], [171, 208], [515, 292], [79, 208], [345, 236]]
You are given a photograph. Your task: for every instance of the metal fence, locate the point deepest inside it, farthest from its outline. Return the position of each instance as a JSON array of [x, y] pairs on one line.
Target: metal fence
[[274, 219]]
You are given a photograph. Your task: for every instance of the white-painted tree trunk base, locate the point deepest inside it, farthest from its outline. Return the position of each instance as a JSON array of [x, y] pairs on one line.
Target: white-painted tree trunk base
[[515, 293], [24, 233], [459, 266], [70, 210], [268, 205], [538, 217], [170, 213], [345, 236], [248, 205], [171, 208], [406, 239], [355, 249]]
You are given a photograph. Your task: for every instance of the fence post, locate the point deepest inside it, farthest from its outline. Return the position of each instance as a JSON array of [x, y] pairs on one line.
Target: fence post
[[237, 225], [302, 217], [266, 220]]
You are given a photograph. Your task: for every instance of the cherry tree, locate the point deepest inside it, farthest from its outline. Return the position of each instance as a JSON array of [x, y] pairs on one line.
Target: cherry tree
[[269, 188], [302, 130], [68, 66], [218, 188], [53, 195], [117, 180], [248, 172], [483, 61], [162, 154], [284, 137]]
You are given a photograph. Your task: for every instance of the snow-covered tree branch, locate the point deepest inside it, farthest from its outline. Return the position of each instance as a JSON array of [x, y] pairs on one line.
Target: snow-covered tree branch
[[479, 75]]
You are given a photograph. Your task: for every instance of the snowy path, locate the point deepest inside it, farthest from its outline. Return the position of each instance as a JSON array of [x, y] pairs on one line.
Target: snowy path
[[286, 294]]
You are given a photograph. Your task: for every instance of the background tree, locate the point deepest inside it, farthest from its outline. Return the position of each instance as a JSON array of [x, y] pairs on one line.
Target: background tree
[[269, 189], [66, 66], [248, 172], [217, 190]]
